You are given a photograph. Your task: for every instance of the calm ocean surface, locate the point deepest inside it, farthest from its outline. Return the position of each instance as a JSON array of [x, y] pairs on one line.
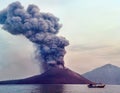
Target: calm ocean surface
[[57, 89]]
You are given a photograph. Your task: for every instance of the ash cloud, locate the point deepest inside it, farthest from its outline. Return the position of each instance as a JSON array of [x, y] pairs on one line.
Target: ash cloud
[[40, 28]]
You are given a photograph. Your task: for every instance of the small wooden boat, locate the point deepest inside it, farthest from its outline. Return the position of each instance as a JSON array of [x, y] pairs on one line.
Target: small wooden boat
[[98, 85]]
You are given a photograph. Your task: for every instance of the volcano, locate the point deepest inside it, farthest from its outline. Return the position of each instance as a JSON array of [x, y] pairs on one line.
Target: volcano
[[107, 74], [52, 76]]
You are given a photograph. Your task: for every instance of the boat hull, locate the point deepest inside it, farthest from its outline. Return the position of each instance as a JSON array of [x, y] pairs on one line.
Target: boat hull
[[96, 86]]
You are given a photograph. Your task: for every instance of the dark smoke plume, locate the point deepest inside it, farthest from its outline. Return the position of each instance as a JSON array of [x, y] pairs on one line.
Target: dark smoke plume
[[40, 28]]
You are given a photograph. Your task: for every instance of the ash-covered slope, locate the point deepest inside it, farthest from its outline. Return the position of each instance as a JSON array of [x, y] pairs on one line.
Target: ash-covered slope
[[52, 76], [108, 74]]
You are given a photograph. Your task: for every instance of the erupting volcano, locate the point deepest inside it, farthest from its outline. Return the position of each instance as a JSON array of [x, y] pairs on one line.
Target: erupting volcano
[[41, 29]]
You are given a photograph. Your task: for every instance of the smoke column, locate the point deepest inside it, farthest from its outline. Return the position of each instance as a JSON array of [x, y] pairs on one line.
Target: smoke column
[[40, 28]]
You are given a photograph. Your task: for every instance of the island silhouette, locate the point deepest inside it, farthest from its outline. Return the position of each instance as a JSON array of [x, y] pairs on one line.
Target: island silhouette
[[54, 75]]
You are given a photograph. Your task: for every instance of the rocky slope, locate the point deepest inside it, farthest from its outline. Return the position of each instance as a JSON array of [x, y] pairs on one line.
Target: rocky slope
[[52, 76]]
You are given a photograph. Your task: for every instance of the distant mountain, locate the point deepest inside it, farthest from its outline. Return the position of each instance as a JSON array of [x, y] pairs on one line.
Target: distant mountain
[[108, 74], [52, 76]]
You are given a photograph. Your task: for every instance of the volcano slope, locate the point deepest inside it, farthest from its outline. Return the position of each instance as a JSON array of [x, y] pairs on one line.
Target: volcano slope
[[53, 76]]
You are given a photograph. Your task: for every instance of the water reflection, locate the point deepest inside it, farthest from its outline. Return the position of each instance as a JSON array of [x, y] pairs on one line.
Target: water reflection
[[49, 88], [57, 89]]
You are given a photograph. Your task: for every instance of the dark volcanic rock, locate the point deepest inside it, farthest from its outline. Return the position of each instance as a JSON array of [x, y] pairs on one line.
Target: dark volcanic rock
[[52, 76]]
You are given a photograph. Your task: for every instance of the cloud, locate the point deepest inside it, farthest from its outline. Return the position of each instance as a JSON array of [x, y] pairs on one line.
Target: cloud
[[16, 52], [87, 57], [114, 52], [86, 47]]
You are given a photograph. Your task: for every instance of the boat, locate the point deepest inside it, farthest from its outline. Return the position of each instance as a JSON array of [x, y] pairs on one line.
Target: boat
[[98, 85]]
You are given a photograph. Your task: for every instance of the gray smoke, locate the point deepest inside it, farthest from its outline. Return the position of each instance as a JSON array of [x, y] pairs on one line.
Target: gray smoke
[[40, 28]]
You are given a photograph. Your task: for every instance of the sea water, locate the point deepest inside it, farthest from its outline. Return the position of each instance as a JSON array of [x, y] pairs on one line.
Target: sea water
[[53, 88]]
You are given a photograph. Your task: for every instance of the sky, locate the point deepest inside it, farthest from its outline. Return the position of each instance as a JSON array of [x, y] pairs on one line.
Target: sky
[[91, 26]]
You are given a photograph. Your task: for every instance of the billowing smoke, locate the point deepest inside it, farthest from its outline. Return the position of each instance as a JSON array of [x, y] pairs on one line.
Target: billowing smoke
[[40, 28]]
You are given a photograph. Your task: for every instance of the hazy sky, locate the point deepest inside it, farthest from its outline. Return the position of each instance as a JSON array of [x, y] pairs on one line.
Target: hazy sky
[[91, 26]]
